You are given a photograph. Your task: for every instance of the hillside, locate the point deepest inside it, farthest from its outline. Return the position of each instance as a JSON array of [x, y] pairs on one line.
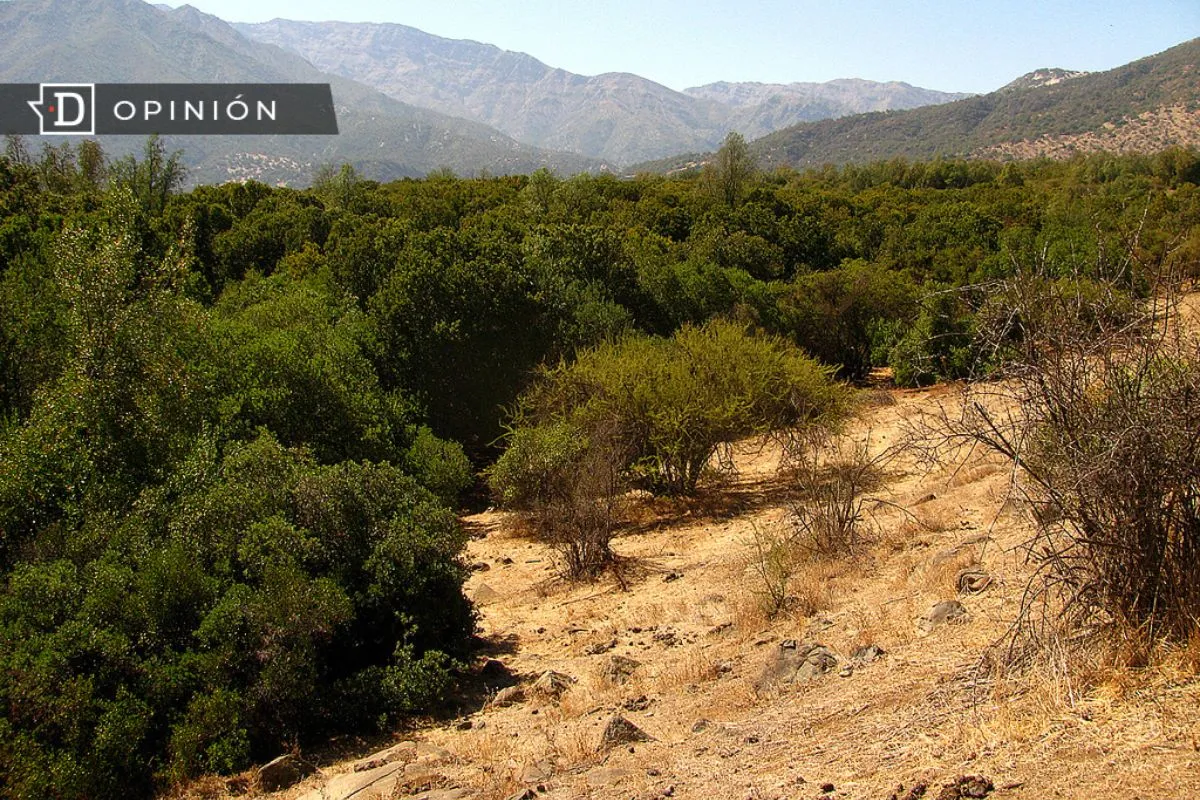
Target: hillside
[[617, 117], [1156, 98], [680, 649], [132, 41]]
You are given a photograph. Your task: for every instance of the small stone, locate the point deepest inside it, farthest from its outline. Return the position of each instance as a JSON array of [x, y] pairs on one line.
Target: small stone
[[620, 731], [285, 771], [509, 696], [967, 787], [700, 725], [846, 671], [600, 648], [637, 703], [480, 566], [552, 685], [506, 561], [828, 788], [672, 576], [485, 594], [796, 663], [618, 669], [867, 654], [524, 794], [465, 725], [947, 611], [493, 670], [653, 773]]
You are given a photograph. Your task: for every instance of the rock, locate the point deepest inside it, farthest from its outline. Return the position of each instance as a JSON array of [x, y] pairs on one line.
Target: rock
[[443, 794], [700, 726], [637, 703], [285, 771], [465, 725], [599, 648], [525, 794], [485, 594], [433, 753], [671, 576], [380, 781], [915, 793], [494, 671], [405, 751], [621, 731], [552, 685], [966, 786], [538, 772], [796, 663], [480, 566], [607, 776], [947, 611], [509, 696], [867, 654], [828, 788], [973, 581], [618, 669]]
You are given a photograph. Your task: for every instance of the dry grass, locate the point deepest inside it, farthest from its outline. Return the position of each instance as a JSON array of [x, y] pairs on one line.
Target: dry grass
[[1125, 728]]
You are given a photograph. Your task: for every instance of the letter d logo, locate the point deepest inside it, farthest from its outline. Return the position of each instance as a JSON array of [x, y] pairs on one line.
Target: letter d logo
[[66, 109]]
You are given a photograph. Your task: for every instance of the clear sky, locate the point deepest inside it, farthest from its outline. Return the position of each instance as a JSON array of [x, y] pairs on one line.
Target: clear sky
[[964, 46]]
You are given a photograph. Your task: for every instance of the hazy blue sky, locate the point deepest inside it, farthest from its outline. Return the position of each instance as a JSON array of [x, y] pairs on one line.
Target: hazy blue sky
[[953, 46]]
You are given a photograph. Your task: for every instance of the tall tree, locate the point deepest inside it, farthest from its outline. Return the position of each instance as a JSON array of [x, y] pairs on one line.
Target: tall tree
[[732, 169]]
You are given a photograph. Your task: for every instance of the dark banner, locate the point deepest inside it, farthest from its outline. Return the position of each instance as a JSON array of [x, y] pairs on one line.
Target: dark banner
[[176, 109]]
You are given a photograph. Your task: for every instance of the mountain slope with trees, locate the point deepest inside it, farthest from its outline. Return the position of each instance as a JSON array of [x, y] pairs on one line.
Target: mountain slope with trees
[[1079, 113]]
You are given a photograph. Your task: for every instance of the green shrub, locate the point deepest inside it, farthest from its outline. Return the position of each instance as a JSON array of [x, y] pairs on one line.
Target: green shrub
[[671, 402], [939, 345], [536, 459], [439, 465]]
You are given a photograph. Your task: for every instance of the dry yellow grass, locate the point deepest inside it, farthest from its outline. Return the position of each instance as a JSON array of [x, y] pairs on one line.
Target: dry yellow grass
[[688, 612]]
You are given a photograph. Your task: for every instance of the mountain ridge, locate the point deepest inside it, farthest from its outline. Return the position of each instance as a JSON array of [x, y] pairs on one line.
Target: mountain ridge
[[615, 116], [132, 41], [1158, 94]]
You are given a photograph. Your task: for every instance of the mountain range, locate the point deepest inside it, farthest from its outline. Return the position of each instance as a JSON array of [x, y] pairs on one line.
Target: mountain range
[[618, 117], [409, 102], [132, 41], [1145, 106]]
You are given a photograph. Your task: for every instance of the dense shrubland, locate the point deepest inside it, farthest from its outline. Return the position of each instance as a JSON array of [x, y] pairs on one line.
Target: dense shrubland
[[236, 421]]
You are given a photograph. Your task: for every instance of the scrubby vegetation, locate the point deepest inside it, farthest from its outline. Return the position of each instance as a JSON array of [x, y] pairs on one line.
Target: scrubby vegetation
[[237, 420]]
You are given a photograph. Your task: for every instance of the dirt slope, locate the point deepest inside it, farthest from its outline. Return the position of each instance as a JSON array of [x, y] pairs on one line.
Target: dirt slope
[[686, 610]]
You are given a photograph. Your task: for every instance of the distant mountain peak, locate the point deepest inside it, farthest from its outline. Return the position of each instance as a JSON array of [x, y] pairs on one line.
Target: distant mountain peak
[[1047, 76]]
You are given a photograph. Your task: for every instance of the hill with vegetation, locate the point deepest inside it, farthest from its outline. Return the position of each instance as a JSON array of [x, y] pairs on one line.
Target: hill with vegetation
[[238, 425], [1156, 98], [129, 41]]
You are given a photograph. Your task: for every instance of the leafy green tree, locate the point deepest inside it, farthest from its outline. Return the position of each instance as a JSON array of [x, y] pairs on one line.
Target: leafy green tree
[[731, 170]]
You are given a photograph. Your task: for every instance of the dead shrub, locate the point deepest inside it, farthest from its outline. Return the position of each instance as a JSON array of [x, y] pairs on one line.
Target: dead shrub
[[831, 483], [1099, 407]]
